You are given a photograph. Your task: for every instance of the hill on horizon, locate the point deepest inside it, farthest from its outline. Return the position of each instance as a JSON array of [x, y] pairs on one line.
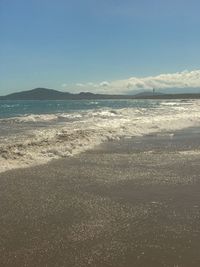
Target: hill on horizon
[[35, 94], [51, 94]]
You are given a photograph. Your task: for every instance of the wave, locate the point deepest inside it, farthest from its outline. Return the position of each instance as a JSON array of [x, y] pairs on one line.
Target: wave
[[80, 131]]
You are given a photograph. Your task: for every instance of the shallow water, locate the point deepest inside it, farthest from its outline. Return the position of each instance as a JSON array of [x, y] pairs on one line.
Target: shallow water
[[34, 132]]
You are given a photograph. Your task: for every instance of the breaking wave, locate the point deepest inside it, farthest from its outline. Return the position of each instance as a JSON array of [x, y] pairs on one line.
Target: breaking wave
[[35, 139]]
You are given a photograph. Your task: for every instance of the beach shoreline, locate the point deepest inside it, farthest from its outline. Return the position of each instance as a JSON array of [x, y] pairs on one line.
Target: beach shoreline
[[132, 202]]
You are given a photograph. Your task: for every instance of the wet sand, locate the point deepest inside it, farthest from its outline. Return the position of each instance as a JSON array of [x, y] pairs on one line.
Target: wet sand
[[135, 202]]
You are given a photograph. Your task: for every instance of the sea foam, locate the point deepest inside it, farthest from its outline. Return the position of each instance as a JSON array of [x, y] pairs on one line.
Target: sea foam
[[68, 134]]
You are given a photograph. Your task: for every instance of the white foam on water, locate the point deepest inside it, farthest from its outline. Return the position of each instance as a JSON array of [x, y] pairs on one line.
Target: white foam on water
[[88, 129], [31, 118], [190, 153]]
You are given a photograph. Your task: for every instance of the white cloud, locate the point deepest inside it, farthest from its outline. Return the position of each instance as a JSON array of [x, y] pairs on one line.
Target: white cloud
[[184, 79], [64, 85], [91, 84], [163, 81], [104, 84], [80, 85]]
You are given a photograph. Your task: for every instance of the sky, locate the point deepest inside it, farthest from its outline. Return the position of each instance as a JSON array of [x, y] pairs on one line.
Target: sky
[[109, 46]]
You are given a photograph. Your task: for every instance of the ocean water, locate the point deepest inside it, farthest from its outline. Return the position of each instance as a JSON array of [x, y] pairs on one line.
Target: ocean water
[[35, 132]]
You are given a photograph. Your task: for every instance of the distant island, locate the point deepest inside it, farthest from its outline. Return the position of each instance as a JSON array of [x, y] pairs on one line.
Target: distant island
[[50, 94]]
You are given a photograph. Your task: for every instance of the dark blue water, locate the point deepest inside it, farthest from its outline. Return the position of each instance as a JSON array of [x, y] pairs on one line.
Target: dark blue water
[[19, 108]]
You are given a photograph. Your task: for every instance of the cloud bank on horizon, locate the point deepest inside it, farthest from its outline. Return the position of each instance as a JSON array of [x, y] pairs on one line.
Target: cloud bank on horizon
[[178, 80]]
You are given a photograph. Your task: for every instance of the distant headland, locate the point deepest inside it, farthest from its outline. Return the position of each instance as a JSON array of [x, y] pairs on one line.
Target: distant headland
[[51, 94]]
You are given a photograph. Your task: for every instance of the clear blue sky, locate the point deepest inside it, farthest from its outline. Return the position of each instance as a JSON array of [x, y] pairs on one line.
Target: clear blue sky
[[50, 42]]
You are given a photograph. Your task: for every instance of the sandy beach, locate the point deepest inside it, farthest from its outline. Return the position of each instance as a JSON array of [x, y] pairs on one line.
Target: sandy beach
[[133, 202]]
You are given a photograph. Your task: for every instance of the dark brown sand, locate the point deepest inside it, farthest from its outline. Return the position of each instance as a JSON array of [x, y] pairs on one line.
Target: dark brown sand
[[130, 203]]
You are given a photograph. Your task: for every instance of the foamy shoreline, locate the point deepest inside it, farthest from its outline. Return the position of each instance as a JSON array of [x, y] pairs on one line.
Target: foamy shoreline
[[66, 135]]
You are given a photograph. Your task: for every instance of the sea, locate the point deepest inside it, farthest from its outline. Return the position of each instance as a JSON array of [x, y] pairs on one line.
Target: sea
[[35, 132]]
